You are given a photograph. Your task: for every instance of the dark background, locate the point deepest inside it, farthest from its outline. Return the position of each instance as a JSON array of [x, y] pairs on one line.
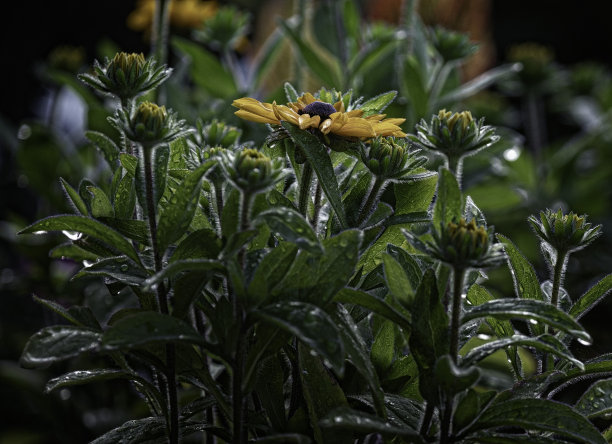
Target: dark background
[[577, 31]]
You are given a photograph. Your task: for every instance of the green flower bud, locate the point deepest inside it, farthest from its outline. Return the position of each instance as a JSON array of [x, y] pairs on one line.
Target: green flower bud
[[564, 232], [217, 134], [126, 76], [250, 170], [462, 245], [149, 125], [390, 158], [454, 135], [536, 60], [451, 45], [226, 29], [67, 58]]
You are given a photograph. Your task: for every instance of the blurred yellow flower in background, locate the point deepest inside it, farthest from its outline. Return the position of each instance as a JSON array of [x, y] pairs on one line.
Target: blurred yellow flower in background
[[310, 113], [183, 14]]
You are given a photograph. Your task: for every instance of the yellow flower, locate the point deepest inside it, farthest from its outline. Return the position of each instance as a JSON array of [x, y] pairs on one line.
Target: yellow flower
[[309, 112], [183, 14]]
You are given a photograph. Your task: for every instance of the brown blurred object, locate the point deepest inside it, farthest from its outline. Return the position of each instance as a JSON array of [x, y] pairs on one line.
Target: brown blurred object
[[470, 16]]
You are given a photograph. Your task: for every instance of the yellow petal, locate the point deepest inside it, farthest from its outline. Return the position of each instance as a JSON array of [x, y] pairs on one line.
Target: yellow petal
[[355, 127], [339, 106], [255, 107], [283, 112], [246, 115], [395, 121], [354, 113], [305, 121], [388, 129]]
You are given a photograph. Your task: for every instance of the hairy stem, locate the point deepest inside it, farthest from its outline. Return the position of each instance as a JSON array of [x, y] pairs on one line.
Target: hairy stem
[[455, 166], [373, 196], [159, 38], [317, 206], [557, 279], [162, 298], [304, 189], [458, 278]]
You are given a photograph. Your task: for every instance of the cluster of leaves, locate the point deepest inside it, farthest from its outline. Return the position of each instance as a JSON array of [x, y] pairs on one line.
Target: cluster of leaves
[[262, 303]]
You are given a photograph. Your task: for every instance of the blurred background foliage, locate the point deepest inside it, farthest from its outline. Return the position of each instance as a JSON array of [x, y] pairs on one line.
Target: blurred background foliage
[[554, 117]]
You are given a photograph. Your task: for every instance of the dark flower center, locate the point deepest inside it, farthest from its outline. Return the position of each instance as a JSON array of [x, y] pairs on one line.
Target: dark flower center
[[321, 109]]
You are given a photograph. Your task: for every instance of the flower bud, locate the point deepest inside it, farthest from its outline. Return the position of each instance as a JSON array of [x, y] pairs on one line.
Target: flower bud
[[250, 170], [564, 232], [451, 45], [126, 76], [390, 158]]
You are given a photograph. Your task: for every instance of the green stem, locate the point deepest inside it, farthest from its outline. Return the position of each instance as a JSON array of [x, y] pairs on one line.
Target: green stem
[[548, 360], [304, 191], [458, 278], [427, 417], [159, 37], [373, 195], [162, 297], [455, 166], [317, 206], [298, 71], [240, 431]]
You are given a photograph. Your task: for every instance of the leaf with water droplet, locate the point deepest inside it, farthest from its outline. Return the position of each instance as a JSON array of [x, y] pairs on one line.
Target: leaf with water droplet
[[311, 325], [119, 269], [58, 343], [88, 226], [291, 226]]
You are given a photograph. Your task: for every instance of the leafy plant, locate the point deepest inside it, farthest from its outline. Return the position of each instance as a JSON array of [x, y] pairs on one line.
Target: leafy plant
[[321, 283]]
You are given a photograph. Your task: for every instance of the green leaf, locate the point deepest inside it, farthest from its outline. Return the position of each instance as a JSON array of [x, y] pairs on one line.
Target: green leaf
[[290, 92], [376, 105], [177, 215], [76, 200], [539, 414], [375, 304], [129, 162], [119, 268], [316, 154], [350, 420], [125, 198], [134, 229], [383, 347], [452, 379], [429, 337], [397, 280], [358, 354], [86, 376], [149, 430], [148, 327], [85, 225], [597, 400], [200, 244], [206, 70], [591, 298], [529, 310], [545, 343], [310, 325], [415, 196], [477, 84], [449, 200], [328, 72], [72, 251], [271, 270], [179, 150], [269, 388], [175, 267], [414, 87], [100, 203], [266, 56], [79, 316], [292, 226], [526, 283], [105, 144], [58, 343], [470, 406], [321, 392]]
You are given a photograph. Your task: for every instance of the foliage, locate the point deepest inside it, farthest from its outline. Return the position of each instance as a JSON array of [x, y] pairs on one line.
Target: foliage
[[320, 281]]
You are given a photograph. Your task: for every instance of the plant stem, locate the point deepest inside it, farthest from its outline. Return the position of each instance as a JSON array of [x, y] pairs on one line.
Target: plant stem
[[147, 155], [548, 360], [373, 196], [304, 190], [240, 432], [427, 417], [458, 278], [245, 210], [159, 38], [317, 206], [455, 166]]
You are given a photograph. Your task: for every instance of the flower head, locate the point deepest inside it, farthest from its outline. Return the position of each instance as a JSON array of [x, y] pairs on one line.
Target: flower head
[[227, 29], [310, 113], [564, 232], [454, 134], [537, 61], [462, 245], [149, 124], [182, 14], [126, 75], [250, 170]]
